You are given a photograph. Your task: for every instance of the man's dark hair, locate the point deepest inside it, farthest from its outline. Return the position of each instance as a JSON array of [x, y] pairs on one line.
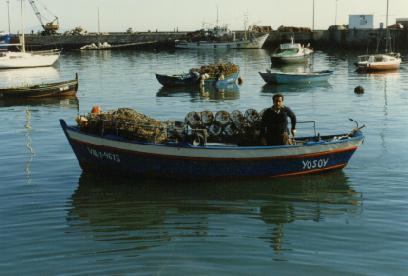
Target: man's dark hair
[[277, 96]]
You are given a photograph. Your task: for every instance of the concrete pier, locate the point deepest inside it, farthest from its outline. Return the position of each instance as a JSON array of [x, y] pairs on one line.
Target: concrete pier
[[340, 39]]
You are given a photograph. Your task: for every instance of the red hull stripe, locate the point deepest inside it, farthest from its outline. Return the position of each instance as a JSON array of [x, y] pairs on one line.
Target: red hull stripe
[[309, 155]]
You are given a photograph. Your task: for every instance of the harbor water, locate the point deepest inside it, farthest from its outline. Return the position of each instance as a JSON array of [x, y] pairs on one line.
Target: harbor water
[[57, 220]]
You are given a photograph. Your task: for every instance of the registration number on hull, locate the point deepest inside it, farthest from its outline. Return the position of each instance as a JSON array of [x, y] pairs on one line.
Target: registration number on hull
[[315, 163], [103, 155]]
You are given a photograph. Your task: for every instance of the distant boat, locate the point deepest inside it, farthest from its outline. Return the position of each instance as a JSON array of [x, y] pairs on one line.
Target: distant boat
[[25, 59], [291, 53], [250, 43], [380, 61], [218, 74], [56, 89], [287, 78], [221, 37], [190, 80]]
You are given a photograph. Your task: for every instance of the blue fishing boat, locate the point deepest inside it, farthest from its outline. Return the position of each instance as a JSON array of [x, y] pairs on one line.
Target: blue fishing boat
[[193, 80], [111, 153], [210, 75], [306, 77]]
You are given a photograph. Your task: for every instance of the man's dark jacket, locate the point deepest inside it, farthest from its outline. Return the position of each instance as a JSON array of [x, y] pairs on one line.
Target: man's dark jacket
[[276, 123]]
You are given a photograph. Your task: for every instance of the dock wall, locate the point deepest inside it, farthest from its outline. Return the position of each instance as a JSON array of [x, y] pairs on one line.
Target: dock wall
[[341, 39]]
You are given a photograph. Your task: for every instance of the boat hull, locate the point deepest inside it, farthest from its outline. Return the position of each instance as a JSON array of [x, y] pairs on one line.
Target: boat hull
[[177, 81], [104, 154], [378, 66], [287, 78], [60, 89], [255, 43], [13, 60]]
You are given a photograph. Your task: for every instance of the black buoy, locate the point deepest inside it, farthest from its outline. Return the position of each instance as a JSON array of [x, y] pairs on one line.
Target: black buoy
[[240, 80], [359, 90]]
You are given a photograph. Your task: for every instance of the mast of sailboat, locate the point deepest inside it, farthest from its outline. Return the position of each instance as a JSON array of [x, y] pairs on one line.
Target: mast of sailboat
[[99, 28], [387, 30], [22, 40], [8, 16], [217, 15]]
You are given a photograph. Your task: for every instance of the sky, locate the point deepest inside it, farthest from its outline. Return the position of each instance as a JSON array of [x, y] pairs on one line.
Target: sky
[[188, 15]]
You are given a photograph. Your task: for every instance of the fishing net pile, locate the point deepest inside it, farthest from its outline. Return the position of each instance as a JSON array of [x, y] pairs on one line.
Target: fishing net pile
[[127, 123], [214, 70], [198, 127]]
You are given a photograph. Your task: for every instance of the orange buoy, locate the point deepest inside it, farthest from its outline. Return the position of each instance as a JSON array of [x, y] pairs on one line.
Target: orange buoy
[[96, 109]]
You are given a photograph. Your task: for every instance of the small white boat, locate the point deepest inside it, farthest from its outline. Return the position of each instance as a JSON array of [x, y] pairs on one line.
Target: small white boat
[[291, 53], [378, 62]]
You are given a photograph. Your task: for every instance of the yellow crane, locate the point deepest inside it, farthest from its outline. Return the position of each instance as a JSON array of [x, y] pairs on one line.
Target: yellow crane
[[50, 27]]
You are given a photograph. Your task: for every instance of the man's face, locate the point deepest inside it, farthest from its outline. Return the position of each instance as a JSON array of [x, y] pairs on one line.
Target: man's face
[[278, 102]]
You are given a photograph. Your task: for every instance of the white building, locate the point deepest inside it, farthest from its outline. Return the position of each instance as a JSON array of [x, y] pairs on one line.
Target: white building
[[361, 21]]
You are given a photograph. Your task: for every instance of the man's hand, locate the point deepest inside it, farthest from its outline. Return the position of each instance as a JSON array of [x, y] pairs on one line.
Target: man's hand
[[293, 131]]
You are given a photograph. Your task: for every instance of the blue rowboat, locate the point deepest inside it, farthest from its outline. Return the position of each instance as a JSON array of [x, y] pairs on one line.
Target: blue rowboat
[[114, 154], [192, 80], [307, 77]]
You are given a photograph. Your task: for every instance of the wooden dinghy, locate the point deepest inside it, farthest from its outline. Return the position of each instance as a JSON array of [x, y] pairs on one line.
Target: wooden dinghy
[[56, 89]]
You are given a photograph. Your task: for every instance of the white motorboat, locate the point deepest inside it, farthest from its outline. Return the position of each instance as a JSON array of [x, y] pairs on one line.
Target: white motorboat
[[291, 53]]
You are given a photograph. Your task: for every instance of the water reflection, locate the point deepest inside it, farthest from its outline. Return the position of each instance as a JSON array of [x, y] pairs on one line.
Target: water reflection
[[70, 102], [295, 87], [224, 92], [149, 213]]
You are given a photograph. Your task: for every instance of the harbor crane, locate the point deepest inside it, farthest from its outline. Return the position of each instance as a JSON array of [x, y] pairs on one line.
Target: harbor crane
[[50, 27]]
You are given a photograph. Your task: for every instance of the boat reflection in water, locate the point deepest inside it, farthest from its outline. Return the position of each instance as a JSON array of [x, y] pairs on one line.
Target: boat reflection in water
[[219, 92], [133, 215], [295, 87], [70, 102]]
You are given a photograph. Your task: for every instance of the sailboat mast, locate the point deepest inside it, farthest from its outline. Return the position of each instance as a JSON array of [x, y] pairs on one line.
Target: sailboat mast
[[99, 26], [22, 40], [387, 30], [217, 16]]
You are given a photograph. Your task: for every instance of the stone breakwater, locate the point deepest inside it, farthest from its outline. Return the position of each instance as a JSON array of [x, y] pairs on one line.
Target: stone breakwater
[[343, 39]]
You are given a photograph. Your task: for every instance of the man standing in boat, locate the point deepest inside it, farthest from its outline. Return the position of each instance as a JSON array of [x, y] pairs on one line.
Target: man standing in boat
[[274, 123]]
